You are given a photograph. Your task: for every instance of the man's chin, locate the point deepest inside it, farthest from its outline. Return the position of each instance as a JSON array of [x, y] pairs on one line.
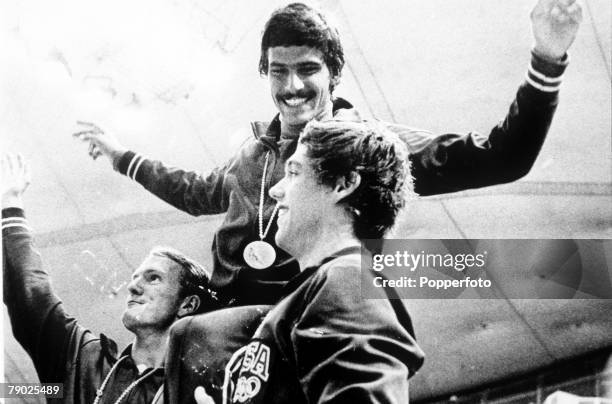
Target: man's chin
[[282, 243], [127, 320], [294, 118], [129, 316]]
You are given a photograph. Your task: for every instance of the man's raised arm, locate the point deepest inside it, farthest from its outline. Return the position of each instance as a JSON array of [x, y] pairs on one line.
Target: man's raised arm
[[37, 317], [185, 190], [453, 162]]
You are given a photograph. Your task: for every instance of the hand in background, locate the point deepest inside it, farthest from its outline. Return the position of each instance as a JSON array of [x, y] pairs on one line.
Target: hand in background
[[14, 180]]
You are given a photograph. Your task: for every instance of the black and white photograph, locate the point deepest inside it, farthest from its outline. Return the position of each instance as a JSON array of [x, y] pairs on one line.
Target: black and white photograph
[[321, 201]]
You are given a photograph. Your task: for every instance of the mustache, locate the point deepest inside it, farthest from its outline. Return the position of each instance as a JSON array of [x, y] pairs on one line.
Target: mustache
[[297, 94]]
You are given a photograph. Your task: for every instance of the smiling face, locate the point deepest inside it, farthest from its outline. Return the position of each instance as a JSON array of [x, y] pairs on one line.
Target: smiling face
[[153, 300], [300, 84], [305, 205]]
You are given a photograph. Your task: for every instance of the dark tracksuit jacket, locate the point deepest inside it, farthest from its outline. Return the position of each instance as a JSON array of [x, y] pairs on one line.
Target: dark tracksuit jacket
[[440, 164], [324, 343], [61, 349]]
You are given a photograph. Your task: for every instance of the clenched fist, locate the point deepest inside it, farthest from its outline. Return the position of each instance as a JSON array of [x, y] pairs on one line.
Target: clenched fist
[[555, 24]]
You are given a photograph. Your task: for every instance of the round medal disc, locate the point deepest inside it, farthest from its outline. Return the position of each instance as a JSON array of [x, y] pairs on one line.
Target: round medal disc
[[259, 254]]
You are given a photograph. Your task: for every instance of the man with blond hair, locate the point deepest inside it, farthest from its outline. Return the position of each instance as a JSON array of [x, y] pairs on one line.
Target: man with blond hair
[[165, 287]]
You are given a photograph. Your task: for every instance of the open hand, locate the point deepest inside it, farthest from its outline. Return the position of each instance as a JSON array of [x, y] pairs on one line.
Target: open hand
[[14, 180], [100, 142]]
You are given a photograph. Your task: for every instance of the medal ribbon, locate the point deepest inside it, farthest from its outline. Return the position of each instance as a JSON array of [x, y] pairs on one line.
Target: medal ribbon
[[262, 233], [126, 391]]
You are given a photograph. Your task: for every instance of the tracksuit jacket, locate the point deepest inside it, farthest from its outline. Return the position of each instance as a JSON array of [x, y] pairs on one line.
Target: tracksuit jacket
[[322, 343], [325, 343], [440, 164]]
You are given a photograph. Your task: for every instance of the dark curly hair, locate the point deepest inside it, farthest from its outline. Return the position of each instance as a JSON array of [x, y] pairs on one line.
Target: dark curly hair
[[298, 24], [339, 148], [194, 279]]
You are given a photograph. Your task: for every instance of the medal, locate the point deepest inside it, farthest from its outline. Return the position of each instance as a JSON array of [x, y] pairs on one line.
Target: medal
[[260, 254]]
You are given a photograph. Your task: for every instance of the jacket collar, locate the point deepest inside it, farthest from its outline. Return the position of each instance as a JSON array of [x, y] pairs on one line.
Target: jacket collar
[[130, 361]]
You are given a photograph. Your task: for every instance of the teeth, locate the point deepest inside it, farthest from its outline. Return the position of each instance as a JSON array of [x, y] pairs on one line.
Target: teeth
[[294, 102]]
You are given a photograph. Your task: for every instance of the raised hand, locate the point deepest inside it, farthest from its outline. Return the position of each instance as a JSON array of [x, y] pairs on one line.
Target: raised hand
[[555, 24], [100, 142], [14, 180]]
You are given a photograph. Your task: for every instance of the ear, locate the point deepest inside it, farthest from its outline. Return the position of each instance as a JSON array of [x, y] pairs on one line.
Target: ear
[[333, 83], [189, 306], [347, 185]]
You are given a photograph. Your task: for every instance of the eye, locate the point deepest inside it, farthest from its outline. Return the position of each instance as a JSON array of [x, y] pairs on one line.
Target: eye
[[309, 70], [154, 278], [277, 72]]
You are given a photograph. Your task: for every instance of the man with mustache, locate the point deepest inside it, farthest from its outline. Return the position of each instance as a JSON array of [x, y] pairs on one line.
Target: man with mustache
[[165, 287], [302, 56]]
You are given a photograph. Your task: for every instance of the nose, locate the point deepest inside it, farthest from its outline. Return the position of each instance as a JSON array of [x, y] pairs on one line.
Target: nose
[[134, 287], [295, 83], [277, 192]]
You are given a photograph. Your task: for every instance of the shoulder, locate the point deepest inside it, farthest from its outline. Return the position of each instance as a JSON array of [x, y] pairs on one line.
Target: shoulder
[[340, 269], [93, 350], [415, 139], [219, 326], [335, 301], [245, 137], [337, 272], [336, 284], [245, 146]]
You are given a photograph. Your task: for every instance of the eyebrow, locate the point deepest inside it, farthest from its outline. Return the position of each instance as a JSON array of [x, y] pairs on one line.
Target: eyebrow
[[308, 63], [148, 271]]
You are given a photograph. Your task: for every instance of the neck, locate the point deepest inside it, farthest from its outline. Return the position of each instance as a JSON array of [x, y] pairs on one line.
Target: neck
[[288, 130], [149, 348], [326, 242]]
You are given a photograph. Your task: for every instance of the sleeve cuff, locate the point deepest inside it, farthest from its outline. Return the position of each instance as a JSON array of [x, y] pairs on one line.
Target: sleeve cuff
[[544, 74], [129, 164], [14, 217]]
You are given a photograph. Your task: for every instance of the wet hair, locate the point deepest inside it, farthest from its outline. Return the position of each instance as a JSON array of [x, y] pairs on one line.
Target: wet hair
[[194, 279], [339, 148], [298, 24]]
